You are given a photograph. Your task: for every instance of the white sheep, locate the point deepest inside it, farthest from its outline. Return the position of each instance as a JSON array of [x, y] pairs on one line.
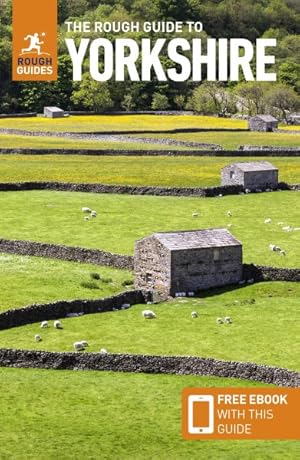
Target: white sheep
[[57, 324], [87, 210], [44, 324], [195, 214], [94, 214], [87, 218], [78, 346], [103, 351], [228, 320], [219, 321], [148, 314], [229, 214], [84, 343], [247, 190], [268, 221], [287, 229], [194, 314], [37, 338], [272, 247], [282, 252]]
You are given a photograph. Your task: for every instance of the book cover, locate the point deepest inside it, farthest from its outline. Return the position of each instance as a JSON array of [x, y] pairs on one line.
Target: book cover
[[149, 230]]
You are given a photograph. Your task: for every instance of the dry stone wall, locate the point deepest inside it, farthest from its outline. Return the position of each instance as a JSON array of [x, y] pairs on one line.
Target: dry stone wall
[[62, 308], [75, 254], [178, 365]]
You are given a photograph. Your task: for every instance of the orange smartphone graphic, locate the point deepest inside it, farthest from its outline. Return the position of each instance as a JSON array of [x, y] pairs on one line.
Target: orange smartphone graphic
[[201, 414]]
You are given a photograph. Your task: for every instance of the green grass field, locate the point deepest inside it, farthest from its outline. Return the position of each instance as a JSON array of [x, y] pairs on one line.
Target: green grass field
[[159, 171], [56, 217], [72, 415], [232, 140], [100, 123], [44, 142], [265, 318], [27, 280]]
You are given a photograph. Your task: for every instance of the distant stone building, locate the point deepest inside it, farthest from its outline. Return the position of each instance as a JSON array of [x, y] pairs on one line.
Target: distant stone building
[[252, 175], [53, 112], [188, 261], [294, 119], [265, 123]]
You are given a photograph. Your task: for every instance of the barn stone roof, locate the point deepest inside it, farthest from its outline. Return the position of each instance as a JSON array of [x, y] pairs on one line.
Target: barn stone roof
[[211, 238], [254, 166], [266, 118]]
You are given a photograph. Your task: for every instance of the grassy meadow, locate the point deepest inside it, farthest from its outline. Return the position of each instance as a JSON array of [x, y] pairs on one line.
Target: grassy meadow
[[56, 217], [101, 123], [232, 140], [8, 141], [27, 280], [164, 171], [72, 415], [265, 318]]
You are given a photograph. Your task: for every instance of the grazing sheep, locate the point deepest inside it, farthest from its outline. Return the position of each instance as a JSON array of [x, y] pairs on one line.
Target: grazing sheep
[[272, 247], [57, 324], [280, 223], [84, 343], [37, 338], [194, 314], [44, 324], [94, 214], [228, 320], [268, 221], [87, 218], [287, 229], [103, 351], [148, 314], [282, 252], [247, 190], [229, 214], [220, 195], [78, 346], [88, 210], [219, 321], [195, 214]]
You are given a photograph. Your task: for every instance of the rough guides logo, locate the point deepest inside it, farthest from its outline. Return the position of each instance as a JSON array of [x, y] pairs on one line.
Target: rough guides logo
[[34, 40]]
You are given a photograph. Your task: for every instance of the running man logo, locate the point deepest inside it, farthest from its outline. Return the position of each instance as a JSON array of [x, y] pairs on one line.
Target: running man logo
[[34, 40]]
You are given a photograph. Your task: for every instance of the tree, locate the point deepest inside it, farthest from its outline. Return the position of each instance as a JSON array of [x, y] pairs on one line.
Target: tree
[[179, 101], [160, 102], [128, 103], [283, 99], [212, 98], [289, 74], [92, 95], [250, 96]]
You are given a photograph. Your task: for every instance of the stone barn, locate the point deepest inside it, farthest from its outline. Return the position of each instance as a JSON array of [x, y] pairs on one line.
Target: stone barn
[[188, 261], [265, 123], [53, 112], [252, 175]]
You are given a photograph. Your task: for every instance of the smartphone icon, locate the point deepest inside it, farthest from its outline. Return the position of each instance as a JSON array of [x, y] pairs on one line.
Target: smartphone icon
[[201, 414]]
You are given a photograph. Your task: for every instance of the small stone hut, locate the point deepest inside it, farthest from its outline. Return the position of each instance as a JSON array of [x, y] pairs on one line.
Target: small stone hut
[[265, 123], [53, 112], [187, 261], [252, 175]]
